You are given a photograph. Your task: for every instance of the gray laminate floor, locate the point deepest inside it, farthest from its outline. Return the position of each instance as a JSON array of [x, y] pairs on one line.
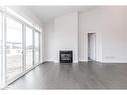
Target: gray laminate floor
[[90, 75]]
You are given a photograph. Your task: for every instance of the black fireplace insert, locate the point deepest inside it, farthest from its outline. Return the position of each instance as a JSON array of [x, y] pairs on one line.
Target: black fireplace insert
[[66, 56]]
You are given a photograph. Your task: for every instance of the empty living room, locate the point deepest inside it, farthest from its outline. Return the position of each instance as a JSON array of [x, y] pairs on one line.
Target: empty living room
[[63, 47]]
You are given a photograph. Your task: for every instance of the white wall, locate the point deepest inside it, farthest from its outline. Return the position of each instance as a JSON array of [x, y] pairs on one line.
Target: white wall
[[110, 25], [115, 35], [66, 35], [90, 22], [61, 34], [49, 41]]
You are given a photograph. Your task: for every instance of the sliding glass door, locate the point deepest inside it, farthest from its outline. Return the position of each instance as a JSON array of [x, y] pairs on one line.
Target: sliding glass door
[[19, 48], [36, 47], [13, 48], [29, 47]]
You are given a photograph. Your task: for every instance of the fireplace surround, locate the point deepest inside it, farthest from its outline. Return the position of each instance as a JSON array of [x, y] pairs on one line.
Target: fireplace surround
[[66, 56]]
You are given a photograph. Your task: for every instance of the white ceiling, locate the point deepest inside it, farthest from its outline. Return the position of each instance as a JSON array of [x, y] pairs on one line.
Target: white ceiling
[[45, 13]]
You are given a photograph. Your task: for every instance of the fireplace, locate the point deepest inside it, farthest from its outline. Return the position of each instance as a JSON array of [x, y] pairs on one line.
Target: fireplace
[[66, 56]]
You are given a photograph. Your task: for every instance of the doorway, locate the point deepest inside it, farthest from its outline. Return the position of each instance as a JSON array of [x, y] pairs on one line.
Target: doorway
[[91, 46]]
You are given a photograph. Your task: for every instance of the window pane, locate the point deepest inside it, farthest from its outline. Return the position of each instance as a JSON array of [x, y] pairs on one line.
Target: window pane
[[13, 48], [36, 48], [29, 48]]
